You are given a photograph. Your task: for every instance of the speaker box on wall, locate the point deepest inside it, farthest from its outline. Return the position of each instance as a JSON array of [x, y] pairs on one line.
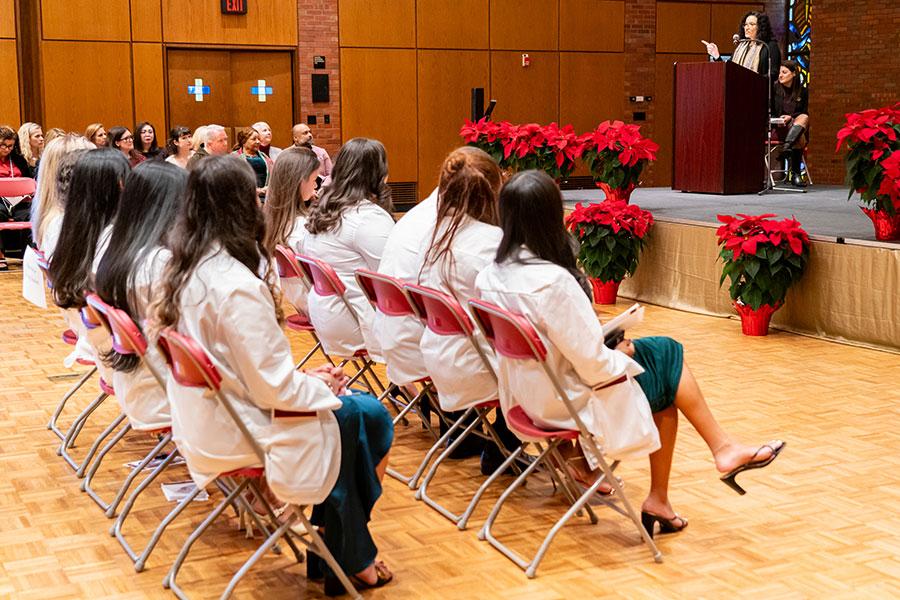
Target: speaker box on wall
[[320, 87]]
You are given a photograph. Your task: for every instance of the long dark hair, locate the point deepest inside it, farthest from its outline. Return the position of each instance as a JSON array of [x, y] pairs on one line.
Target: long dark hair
[[469, 183], [283, 201], [531, 215], [359, 173], [219, 205], [763, 26], [150, 200], [139, 143], [174, 135], [93, 197], [796, 88], [115, 135]]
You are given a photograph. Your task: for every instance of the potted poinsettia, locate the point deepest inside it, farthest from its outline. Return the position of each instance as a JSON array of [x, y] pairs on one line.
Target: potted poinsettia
[[616, 154], [611, 235], [873, 137], [561, 150], [486, 135], [762, 257]]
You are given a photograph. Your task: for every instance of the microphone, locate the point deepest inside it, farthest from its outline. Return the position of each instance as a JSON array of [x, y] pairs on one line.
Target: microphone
[[735, 39]]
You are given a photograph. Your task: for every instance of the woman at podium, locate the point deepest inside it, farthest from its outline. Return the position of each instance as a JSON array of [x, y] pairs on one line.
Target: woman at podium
[[756, 46]]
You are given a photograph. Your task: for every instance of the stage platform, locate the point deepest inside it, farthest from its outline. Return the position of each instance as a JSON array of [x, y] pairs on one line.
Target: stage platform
[[849, 292]]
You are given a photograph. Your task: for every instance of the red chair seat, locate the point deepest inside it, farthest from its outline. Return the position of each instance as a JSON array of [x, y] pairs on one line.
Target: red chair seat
[[298, 322], [69, 337], [489, 404], [160, 431], [85, 362], [15, 225], [361, 353], [107, 389], [518, 420], [251, 472]]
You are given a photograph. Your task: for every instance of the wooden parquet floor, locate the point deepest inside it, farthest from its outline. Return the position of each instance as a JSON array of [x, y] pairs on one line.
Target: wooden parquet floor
[[823, 519]]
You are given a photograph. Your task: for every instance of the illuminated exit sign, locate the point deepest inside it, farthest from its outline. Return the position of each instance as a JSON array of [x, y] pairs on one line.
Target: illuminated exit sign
[[234, 7]]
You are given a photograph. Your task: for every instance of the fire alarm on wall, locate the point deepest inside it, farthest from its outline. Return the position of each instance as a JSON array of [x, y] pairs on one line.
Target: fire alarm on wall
[[526, 60]]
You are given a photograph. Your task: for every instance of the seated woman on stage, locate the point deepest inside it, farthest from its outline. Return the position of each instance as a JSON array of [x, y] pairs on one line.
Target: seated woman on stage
[[126, 276], [348, 229], [535, 274], [791, 102], [758, 45], [218, 288], [292, 187]]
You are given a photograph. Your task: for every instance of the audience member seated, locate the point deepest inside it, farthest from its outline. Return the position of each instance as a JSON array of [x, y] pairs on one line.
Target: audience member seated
[[292, 187], [12, 164], [535, 274], [791, 102], [31, 143], [265, 140], [215, 142], [178, 147], [303, 136], [213, 290], [96, 133], [348, 228], [52, 135], [129, 271], [122, 140], [247, 147], [145, 141]]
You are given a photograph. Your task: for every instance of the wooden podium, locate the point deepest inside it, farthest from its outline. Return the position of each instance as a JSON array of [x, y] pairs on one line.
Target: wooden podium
[[719, 131]]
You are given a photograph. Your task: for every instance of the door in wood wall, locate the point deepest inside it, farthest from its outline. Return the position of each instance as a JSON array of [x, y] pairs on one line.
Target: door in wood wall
[[233, 88]]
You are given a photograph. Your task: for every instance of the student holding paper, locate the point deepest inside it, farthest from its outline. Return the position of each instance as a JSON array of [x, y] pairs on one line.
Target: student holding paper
[[535, 274]]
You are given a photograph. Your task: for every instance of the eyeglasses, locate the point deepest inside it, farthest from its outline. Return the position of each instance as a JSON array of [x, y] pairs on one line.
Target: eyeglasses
[[126, 138], [8, 146]]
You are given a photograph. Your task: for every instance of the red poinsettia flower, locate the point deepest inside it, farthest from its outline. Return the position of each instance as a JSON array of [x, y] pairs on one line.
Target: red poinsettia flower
[[743, 234], [618, 216]]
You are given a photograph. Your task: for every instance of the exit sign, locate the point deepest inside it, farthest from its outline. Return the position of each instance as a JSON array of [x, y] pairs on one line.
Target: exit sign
[[234, 7]]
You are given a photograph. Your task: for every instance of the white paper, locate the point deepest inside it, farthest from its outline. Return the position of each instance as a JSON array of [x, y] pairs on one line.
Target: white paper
[[33, 288], [630, 317], [178, 491], [155, 462]]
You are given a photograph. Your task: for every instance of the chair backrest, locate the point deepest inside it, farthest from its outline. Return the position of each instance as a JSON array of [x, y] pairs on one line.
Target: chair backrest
[[191, 366], [325, 280], [385, 292], [287, 263], [17, 186], [94, 315]]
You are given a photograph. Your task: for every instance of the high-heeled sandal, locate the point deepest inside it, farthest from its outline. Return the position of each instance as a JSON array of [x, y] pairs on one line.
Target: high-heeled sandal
[[334, 587], [776, 446], [665, 525]]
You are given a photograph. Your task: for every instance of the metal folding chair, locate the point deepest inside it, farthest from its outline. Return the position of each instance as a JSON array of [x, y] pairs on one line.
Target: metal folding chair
[[289, 269], [515, 338], [190, 366], [327, 283], [444, 316]]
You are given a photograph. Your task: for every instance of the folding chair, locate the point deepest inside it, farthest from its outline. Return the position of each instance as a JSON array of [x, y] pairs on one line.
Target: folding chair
[[191, 366], [289, 269], [327, 283], [514, 337], [70, 338]]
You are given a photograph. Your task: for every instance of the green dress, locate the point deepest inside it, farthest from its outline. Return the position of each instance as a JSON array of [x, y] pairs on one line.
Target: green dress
[[662, 359]]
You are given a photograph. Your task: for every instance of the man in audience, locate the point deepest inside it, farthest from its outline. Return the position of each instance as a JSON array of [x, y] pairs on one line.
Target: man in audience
[[216, 143], [265, 140], [303, 137]]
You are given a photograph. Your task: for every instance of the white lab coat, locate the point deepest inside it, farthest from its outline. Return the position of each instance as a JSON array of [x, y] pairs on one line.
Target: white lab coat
[[551, 298], [231, 314], [99, 337], [458, 372], [404, 251], [142, 399], [296, 291], [357, 244]]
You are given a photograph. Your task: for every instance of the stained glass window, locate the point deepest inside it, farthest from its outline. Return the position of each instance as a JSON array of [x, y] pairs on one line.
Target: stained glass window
[[799, 30]]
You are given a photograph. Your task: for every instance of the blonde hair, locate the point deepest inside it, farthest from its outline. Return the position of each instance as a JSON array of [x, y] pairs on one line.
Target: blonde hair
[[92, 130], [199, 138], [25, 133], [52, 135], [48, 202]]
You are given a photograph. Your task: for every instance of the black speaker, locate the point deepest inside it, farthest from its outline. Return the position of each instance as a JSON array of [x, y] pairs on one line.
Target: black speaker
[[320, 87], [477, 103]]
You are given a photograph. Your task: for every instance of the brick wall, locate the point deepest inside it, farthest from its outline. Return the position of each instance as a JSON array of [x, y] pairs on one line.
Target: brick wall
[[640, 61], [853, 66], [318, 36]]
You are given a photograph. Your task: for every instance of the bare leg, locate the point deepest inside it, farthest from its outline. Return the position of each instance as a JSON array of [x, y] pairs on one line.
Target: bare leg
[[657, 501]]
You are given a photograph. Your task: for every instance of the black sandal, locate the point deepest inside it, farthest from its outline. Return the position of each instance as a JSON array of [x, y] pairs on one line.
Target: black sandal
[[776, 446], [334, 587], [665, 525]]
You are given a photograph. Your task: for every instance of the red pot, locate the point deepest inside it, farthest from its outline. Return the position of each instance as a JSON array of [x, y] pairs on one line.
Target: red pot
[[887, 227], [755, 322], [605, 292], [616, 193]]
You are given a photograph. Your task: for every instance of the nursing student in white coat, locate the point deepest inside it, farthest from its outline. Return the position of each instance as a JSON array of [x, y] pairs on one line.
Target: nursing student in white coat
[[348, 228], [292, 187], [462, 242], [535, 274], [219, 289], [126, 276], [96, 186]]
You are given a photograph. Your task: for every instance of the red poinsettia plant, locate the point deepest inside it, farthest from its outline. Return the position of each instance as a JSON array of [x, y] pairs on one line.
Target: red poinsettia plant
[[551, 148], [617, 153], [763, 257], [611, 235], [871, 137]]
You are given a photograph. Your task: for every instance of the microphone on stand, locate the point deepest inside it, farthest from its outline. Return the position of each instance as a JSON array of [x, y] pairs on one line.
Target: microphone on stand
[[735, 39]]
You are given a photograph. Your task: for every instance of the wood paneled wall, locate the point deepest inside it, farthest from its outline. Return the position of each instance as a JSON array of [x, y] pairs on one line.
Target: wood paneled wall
[[9, 75], [576, 72]]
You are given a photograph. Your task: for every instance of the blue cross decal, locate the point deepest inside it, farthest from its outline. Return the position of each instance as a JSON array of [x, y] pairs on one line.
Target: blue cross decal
[[198, 90], [261, 90]]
